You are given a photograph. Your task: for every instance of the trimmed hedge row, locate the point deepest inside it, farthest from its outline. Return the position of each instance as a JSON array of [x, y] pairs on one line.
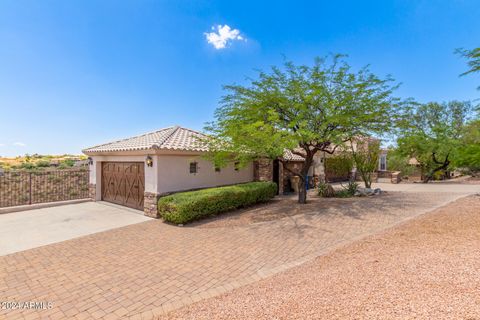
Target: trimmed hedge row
[[184, 207]]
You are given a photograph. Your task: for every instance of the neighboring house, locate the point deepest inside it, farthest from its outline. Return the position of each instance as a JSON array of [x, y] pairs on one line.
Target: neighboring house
[[136, 171], [382, 160], [318, 171], [81, 163]]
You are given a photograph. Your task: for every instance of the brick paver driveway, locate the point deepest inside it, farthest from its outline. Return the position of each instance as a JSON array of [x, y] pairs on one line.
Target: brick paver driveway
[[151, 267]]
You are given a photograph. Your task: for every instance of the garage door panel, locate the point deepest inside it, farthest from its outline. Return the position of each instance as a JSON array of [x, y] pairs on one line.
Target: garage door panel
[[123, 183], [133, 185], [108, 188]]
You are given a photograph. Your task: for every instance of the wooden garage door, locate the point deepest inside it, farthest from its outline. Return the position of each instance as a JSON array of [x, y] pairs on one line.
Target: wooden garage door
[[123, 183]]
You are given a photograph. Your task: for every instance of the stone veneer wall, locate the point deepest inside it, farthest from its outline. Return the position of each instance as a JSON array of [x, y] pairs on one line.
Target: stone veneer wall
[[150, 204], [92, 191], [285, 174], [263, 170]]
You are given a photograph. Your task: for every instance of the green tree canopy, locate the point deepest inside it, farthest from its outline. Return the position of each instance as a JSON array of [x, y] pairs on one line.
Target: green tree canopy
[[433, 133], [365, 156], [302, 108], [468, 155], [473, 57]]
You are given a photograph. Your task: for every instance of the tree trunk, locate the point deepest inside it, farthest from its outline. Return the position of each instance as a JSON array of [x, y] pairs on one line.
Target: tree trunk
[[430, 175], [427, 178], [368, 182], [302, 191], [367, 179], [443, 166]]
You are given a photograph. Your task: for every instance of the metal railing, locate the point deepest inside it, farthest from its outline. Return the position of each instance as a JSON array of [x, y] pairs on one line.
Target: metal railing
[[30, 187]]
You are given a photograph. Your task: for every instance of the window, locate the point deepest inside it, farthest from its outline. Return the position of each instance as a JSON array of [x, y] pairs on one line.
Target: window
[[383, 162], [217, 169], [236, 165], [193, 167]]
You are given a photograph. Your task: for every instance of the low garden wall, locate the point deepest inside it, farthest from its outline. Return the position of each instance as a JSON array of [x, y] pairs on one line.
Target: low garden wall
[[24, 187]]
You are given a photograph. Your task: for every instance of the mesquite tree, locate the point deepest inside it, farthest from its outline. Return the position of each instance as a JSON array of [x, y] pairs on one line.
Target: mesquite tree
[[468, 154], [433, 135], [365, 154], [301, 108], [473, 57]]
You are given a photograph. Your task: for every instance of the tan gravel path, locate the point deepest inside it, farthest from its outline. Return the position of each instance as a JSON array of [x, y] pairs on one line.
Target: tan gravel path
[[426, 268]]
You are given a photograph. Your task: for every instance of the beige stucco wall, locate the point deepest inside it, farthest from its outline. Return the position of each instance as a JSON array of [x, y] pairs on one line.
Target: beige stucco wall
[[317, 167], [174, 174], [171, 173]]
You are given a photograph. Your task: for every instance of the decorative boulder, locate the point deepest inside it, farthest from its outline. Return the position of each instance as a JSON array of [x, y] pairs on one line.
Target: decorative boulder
[[366, 192]]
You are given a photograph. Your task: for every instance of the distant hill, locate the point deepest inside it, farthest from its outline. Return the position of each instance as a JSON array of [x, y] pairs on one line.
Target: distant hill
[[38, 161]]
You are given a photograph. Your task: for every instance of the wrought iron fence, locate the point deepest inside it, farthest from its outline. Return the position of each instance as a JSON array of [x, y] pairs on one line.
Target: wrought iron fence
[[23, 187]]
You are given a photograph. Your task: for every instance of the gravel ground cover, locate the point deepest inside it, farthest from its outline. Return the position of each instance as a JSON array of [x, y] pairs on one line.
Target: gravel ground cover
[[425, 268]]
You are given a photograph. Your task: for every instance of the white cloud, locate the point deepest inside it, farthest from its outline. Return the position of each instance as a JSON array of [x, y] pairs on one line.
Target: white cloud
[[19, 144], [2, 144], [222, 35]]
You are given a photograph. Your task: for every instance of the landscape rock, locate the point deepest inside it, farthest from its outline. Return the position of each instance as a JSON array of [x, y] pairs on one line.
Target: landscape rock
[[361, 192]]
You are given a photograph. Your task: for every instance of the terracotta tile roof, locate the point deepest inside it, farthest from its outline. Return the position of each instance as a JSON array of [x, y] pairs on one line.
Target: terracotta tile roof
[[289, 156], [171, 138]]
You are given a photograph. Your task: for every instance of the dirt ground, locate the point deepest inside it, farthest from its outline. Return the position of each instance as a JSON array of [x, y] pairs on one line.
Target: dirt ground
[[471, 180], [426, 268]]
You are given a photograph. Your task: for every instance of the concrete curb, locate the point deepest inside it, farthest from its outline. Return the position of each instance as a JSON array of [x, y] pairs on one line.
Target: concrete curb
[[41, 205]]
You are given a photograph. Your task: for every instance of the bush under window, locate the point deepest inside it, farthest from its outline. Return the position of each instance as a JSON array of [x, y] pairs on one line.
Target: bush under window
[[184, 207]]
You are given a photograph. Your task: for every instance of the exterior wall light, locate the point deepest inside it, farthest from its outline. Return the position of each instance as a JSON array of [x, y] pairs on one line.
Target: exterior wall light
[[149, 161], [90, 161]]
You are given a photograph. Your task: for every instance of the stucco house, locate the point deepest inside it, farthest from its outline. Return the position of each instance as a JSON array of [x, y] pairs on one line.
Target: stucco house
[[136, 171]]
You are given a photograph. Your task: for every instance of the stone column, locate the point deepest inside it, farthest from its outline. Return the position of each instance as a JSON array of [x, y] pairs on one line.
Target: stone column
[[92, 191], [281, 182], [264, 170], [150, 204]]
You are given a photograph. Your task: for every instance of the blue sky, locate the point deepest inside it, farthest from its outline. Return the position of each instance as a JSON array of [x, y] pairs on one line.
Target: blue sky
[[77, 73]]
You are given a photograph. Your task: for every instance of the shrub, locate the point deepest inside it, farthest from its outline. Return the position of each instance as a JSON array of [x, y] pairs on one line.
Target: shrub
[[325, 190], [351, 188], [27, 165], [344, 193], [42, 164], [184, 207], [68, 163], [398, 162], [338, 167]]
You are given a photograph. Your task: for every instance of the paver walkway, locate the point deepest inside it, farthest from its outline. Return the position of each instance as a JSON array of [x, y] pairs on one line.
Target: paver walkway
[[149, 268]]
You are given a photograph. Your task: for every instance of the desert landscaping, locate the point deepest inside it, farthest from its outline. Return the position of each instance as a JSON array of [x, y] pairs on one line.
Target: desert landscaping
[[239, 160], [426, 268]]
